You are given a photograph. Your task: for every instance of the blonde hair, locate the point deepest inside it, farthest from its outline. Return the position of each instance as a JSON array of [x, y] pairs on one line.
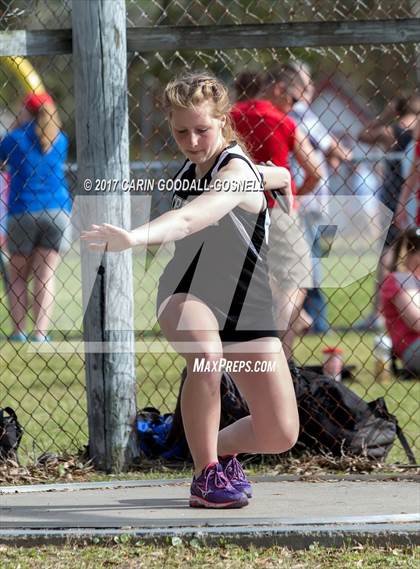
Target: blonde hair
[[48, 125], [190, 90]]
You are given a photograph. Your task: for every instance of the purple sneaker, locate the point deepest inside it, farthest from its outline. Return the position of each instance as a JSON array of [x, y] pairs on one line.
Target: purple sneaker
[[234, 473], [213, 490]]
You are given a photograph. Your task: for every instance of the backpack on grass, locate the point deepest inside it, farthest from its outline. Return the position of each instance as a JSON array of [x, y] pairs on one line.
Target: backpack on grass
[[10, 434], [334, 419], [152, 435]]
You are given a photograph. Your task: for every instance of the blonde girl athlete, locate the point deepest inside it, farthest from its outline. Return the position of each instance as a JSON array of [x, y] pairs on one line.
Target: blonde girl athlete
[[214, 300]]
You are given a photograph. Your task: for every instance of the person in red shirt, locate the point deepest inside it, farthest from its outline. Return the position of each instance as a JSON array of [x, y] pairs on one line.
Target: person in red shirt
[[271, 136], [400, 302]]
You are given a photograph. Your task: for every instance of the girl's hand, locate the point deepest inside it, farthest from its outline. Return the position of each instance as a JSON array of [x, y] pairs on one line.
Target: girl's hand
[[285, 191], [108, 237], [286, 198]]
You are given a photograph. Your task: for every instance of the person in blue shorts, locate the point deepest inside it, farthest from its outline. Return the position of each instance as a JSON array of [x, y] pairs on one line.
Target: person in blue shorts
[[214, 300], [39, 208]]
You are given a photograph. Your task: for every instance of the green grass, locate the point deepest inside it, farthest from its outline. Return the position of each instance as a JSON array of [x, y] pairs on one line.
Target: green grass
[[48, 389], [128, 555]]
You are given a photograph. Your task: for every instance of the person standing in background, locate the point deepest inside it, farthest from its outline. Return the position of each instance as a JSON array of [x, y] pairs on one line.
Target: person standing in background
[[39, 208], [393, 132], [272, 136], [314, 206]]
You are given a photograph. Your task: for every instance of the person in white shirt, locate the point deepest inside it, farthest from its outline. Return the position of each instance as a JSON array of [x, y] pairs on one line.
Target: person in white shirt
[[313, 207]]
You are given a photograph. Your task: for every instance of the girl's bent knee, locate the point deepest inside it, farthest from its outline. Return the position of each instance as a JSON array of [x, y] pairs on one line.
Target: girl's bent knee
[[205, 361], [291, 434], [277, 447], [280, 440], [290, 441]]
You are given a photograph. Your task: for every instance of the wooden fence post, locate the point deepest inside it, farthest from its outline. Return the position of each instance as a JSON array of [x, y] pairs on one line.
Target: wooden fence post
[[100, 82]]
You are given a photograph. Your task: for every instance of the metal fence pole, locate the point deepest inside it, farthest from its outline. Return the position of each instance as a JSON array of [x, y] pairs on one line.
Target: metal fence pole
[[100, 80]]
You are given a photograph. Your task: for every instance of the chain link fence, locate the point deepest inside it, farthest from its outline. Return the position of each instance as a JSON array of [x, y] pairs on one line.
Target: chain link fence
[[353, 85]]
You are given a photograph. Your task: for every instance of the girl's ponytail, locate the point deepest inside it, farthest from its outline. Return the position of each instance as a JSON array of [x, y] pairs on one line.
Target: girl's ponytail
[[48, 125]]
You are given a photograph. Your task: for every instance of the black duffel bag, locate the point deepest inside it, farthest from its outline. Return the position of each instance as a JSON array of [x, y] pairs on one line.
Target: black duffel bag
[[10, 434], [332, 417], [336, 420]]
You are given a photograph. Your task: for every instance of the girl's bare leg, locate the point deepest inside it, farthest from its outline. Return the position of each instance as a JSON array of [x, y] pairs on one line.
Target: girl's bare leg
[[44, 265], [200, 398], [19, 269], [273, 426]]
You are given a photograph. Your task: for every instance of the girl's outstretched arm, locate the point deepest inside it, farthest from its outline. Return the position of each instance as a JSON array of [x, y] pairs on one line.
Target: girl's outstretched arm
[[205, 210]]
